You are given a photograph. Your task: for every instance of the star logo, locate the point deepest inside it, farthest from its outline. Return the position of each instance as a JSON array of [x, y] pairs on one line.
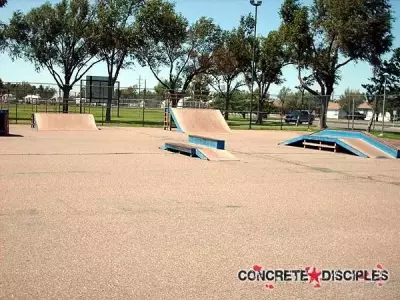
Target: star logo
[[314, 275]]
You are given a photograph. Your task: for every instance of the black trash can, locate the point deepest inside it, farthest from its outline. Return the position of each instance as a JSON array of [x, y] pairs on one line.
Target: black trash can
[[4, 124]]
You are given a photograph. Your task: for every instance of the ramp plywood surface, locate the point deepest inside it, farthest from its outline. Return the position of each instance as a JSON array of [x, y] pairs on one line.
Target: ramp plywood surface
[[61, 122], [214, 154], [365, 148], [194, 120]]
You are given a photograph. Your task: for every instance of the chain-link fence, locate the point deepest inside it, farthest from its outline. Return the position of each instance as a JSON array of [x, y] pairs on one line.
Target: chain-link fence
[[133, 106]]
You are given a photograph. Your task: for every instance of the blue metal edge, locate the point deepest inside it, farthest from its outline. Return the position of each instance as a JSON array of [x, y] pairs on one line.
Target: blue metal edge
[[361, 135], [384, 148], [326, 139], [178, 127], [338, 133], [294, 140], [204, 141], [200, 155], [192, 151]]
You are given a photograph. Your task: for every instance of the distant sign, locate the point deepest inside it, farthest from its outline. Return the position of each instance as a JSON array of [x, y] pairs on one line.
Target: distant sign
[[96, 89]]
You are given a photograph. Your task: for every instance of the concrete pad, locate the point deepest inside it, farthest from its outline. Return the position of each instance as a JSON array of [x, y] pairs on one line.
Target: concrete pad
[[108, 215]]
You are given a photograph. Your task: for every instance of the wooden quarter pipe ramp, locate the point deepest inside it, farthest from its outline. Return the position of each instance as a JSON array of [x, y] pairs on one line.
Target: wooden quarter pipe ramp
[[63, 122], [196, 120]]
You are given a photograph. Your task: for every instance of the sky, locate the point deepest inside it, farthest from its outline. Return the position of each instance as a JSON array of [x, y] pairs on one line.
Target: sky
[[226, 13]]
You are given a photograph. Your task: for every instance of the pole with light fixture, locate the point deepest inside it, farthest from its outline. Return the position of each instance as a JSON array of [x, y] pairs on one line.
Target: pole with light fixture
[[256, 4], [383, 105]]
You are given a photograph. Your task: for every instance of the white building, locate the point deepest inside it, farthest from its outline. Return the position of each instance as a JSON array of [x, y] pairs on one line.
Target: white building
[[335, 111], [7, 97], [31, 99], [367, 110]]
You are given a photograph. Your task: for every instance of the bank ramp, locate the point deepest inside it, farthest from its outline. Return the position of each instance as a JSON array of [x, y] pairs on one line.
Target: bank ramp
[[196, 120], [201, 125], [352, 142], [63, 122]]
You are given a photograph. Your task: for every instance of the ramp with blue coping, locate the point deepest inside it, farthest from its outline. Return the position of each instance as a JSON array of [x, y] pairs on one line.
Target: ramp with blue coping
[[201, 147], [197, 120], [353, 142], [180, 148], [195, 150], [207, 141]]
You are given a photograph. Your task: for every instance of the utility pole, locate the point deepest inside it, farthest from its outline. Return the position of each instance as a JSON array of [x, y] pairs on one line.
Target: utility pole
[[140, 81], [383, 105], [256, 4], [352, 123], [144, 97]]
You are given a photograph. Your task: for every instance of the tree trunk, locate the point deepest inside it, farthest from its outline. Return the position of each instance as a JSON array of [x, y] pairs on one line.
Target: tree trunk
[[109, 98], [322, 115], [325, 98], [66, 89], [227, 102], [371, 121], [260, 113], [174, 97], [226, 113]]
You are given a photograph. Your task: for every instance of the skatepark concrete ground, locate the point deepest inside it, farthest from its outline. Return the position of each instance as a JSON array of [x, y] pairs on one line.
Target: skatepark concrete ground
[[107, 215]]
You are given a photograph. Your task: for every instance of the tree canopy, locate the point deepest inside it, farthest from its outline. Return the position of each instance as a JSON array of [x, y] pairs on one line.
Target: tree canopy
[[57, 38], [169, 42], [116, 38], [376, 86], [329, 34], [348, 98], [270, 58], [230, 59], [2, 27]]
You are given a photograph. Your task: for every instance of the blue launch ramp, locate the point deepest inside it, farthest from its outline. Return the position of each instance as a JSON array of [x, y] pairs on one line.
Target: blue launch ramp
[[195, 150], [199, 124], [201, 147], [352, 142]]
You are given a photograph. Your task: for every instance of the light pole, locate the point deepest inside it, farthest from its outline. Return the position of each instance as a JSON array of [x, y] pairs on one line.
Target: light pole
[[256, 4], [383, 105]]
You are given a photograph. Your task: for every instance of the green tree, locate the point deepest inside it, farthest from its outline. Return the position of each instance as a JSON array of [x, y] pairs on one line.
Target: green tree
[[21, 89], [116, 38], [45, 92], [348, 98], [2, 27], [56, 38], [239, 103], [283, 96], [376, 86], [185, 51], [231, 58], [200, 87], [129, 93], [329, 34], [270, 58], [160, 89]]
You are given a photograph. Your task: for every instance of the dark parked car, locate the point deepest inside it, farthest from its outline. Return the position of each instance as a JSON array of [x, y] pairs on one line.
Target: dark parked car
[[357, 116], [304, 116]]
